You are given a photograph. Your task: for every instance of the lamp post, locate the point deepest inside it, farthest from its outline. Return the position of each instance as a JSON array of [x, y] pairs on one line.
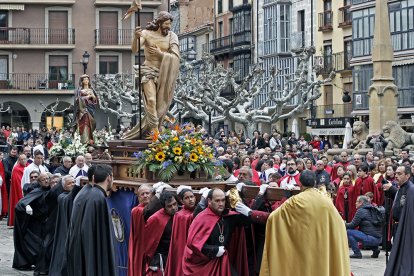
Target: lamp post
[[180, 109], [118, 107], [209, 111], [85, 61], [134, 106]]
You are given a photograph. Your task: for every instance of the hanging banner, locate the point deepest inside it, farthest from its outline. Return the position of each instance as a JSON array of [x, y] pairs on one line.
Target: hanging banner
[[120, 204]]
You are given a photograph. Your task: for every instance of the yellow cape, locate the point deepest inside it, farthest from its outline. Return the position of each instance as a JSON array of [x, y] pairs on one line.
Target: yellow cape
[[306, 236]]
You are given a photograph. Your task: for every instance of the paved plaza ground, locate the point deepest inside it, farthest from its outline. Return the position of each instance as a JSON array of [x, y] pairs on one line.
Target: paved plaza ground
[[363, 267]]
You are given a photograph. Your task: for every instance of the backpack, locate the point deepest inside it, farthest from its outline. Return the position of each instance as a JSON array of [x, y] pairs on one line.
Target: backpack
[[377, 215]]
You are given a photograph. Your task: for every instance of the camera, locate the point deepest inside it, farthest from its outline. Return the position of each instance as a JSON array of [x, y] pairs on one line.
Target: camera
[[384, 181]]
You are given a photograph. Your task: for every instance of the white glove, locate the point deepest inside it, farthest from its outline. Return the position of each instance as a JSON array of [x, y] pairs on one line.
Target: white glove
[[239, 186], [181, 187], [220, 251], [201, 191], [29, 210], [242, 209], [77, 180], [263, 188], [160, 189], [158, 184], [205, 192], [282, 166]]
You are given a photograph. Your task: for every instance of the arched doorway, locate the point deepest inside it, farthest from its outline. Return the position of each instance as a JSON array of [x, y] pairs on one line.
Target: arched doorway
[[15, 116], [59, 115]]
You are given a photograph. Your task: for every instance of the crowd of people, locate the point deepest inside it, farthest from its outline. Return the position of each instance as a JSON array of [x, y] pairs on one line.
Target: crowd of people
[[64, 228]]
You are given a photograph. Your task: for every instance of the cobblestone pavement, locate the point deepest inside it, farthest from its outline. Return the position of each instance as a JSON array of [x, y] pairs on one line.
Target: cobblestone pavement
[[360, 267]]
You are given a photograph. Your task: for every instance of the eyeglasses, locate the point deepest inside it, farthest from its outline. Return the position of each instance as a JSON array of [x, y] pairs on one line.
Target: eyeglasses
[[33, 177], [290, 164]]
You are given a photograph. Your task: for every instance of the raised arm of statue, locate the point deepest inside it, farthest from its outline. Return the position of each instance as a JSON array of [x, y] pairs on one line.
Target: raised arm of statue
[[138, 36]]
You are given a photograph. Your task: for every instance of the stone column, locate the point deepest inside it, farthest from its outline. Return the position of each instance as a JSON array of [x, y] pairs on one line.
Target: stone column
[[383, 94]]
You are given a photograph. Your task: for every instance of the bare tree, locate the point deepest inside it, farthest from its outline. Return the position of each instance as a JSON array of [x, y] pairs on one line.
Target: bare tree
[[116, 94], [200, 87]]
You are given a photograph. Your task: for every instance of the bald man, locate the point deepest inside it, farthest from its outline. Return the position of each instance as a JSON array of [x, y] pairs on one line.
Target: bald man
[[80, 168]]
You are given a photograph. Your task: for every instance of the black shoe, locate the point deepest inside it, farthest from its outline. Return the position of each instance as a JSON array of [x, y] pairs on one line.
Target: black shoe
[[356, 256], [375, 253]]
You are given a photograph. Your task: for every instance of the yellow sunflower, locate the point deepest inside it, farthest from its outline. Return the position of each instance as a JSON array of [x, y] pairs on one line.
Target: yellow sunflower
[[177, 151], [160, 156], [193, 157]]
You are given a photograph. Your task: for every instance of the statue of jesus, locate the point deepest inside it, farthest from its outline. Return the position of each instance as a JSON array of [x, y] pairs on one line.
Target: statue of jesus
[[158, 73]]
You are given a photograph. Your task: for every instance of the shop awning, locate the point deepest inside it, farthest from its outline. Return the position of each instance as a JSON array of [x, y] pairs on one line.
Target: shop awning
[[328, 131], [15, 7]]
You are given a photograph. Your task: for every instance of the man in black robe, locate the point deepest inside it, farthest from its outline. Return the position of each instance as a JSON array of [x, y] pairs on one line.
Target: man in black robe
[[8, 164], [90, 248], [31, 225], [58, 261], [398, 195], [402, 258]]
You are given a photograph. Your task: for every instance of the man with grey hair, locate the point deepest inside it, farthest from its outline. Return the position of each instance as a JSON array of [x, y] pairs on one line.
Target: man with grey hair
[[88, 159], [80, 168], [245, 174], [65, 167], [369, 233]]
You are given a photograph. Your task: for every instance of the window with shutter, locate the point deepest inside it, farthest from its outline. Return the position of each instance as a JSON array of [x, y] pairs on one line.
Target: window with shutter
[[108, 65], [58, 27], [4, 23], [108, 27], [145, 18]]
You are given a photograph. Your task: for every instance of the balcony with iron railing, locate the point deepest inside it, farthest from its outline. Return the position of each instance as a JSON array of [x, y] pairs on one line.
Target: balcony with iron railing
[[36, 38], [345, 17], [222, 44], [36, 81], [325, 21], [232, 43], [332, 111], [338, 62], [113, 38]]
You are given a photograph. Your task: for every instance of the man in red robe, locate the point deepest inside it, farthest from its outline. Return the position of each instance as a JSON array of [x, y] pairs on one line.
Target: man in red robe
[[215, 243], [157, 235], [3, 193], [181, 223], [16, 188], [344, 162], [136, 237], [363, 184]]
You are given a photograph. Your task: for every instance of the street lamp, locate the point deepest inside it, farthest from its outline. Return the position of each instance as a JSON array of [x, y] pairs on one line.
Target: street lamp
[[346, 98], [85, 61]]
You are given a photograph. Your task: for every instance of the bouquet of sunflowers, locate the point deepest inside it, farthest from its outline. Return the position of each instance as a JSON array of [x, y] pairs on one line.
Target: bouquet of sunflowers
[[176, 149]]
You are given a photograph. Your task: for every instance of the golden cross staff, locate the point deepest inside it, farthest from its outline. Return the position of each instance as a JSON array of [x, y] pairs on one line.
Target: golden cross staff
[[136, 7]]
